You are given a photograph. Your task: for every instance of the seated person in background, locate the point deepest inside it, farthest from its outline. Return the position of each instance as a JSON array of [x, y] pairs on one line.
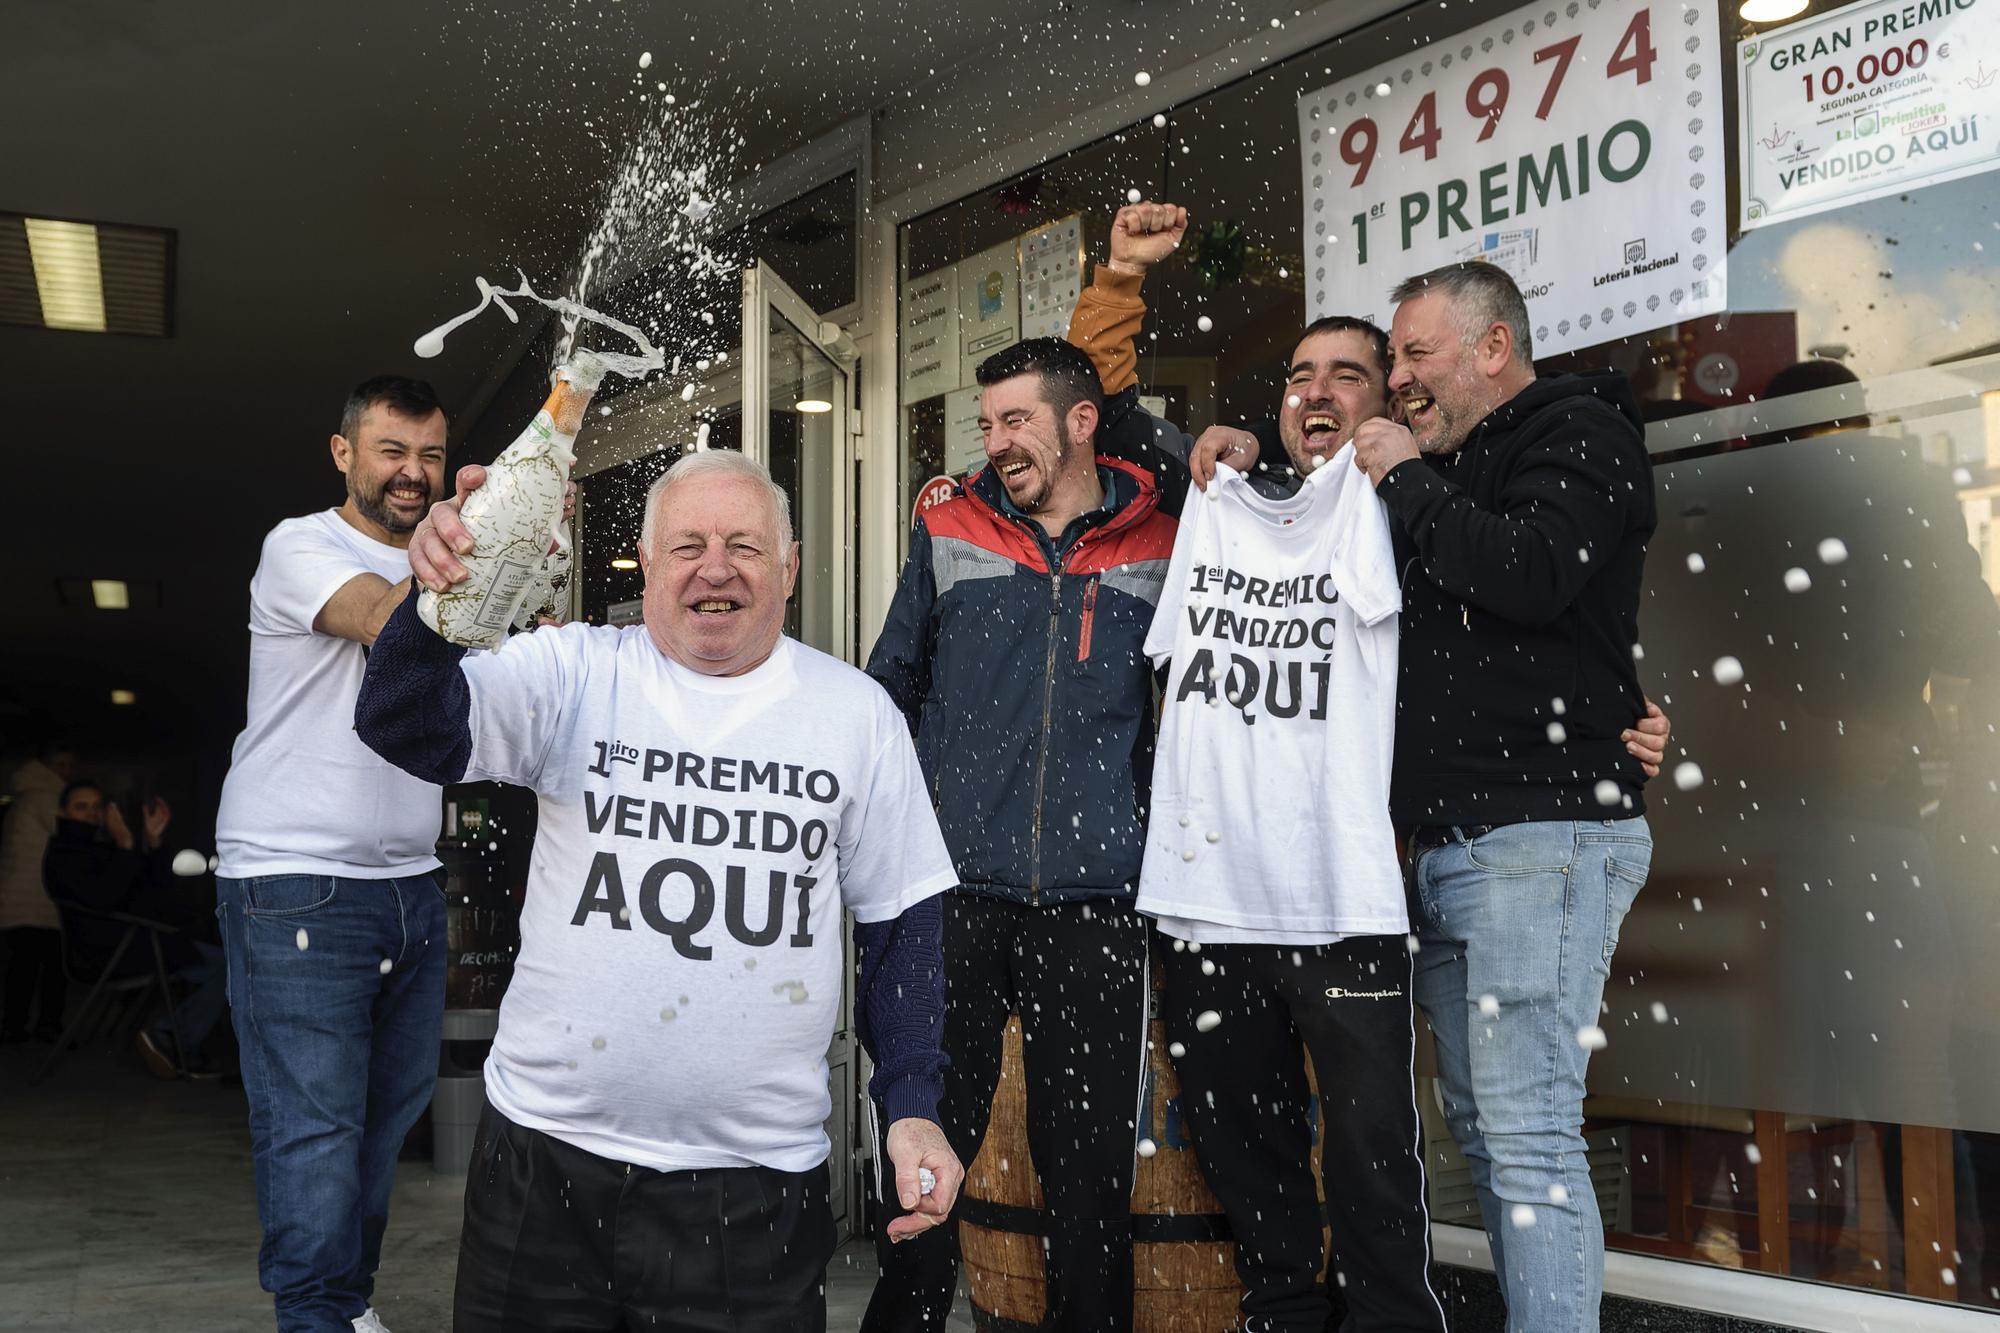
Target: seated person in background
[[93, 863]]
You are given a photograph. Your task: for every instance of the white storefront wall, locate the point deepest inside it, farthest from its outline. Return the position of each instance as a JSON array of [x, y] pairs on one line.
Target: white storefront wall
[[971, 129]]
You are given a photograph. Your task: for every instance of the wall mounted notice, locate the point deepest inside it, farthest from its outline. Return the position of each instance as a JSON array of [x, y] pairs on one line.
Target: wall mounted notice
[[964, 446], [930, 334], [1869, 100], [1051, 277], [1577, 146], [989, 304]]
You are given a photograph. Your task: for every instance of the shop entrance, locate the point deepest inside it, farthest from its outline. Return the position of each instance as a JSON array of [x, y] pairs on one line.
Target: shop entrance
[[784, 396]]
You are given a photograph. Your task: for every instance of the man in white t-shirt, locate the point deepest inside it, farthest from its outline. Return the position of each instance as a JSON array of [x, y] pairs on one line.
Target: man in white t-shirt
[[1270, 854], [329, 895], [1278, 631], [713, 794]]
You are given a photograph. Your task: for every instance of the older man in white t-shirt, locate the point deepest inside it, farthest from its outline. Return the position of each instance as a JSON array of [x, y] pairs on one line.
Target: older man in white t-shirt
[[713, 794], [328, 890]]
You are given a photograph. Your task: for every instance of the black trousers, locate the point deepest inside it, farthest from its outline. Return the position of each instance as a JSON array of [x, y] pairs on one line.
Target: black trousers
[[1076, 974], [558, 1240], [33, 958], [1243, 1089]]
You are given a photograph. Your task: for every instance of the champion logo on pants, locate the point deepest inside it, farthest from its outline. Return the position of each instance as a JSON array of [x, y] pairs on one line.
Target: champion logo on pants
[[1342, 993]]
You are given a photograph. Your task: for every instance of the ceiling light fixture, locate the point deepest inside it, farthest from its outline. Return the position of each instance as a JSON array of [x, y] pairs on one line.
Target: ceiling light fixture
[[1383, 89], [624, 562], [1771, 11], [124, 697], [68, 277], [813, 405], [87, 277], [110, 595]]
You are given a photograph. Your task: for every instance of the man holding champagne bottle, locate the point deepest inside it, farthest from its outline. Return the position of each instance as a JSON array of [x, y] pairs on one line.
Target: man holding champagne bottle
[[713, 794]]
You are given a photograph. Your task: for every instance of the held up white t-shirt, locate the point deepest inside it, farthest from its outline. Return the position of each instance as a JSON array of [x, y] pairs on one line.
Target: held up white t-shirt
[[1278, 623], [681, 965], [304, 796]]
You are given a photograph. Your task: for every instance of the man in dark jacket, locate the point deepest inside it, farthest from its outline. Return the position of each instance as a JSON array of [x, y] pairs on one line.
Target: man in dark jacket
[[94, 862], [1523, 506], [1015, 647]]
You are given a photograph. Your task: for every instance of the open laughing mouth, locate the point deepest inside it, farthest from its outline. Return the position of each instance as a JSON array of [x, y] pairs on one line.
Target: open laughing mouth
[[408, 495], [1416, 404], [1321, 431], [1009, 471], [715, 606]]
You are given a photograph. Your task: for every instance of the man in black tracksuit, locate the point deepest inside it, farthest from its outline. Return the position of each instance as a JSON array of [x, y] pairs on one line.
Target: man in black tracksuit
[[1347, 1000], [1015, 646]]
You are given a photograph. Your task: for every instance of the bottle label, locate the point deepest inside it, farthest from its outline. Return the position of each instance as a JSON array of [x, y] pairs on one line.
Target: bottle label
[[503, 594]]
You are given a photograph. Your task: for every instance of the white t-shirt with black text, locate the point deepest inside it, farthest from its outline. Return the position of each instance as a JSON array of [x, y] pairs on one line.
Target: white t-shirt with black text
[[304, 796], [1278, 625], [681, 964]]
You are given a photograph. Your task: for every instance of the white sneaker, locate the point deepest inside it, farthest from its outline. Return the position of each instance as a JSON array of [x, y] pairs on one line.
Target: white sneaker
[[370, 1322]]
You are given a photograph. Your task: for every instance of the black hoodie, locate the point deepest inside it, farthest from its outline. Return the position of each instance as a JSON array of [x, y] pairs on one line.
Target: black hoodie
[[1522, 555]]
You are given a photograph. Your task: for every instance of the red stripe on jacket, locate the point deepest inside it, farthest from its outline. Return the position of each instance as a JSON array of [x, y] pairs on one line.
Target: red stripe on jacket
[[1137, 533]]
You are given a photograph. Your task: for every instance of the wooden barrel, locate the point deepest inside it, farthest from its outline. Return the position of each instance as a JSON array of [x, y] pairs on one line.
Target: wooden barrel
[[1183, 1261]]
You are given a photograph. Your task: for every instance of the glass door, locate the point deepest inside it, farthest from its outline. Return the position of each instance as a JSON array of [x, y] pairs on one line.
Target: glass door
[[797, 418], [798, 413]]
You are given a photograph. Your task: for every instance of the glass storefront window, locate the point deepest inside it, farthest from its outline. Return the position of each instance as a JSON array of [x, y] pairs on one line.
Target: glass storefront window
[[811, 240], [1803, 1002], [1091, 183]]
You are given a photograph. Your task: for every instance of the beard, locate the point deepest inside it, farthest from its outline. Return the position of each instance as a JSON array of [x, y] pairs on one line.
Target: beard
[[371, 499], [1446, 432], [1444, 439], [1037, 500]]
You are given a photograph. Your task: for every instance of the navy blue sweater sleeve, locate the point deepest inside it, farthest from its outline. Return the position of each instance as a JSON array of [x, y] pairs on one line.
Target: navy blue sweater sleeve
[[901, 1008], [415, 708], [901, 661]]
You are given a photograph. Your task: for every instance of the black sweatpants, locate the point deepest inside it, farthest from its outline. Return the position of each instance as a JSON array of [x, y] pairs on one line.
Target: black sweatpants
[[1243, 1089], [563, 1240], [1076, 974]]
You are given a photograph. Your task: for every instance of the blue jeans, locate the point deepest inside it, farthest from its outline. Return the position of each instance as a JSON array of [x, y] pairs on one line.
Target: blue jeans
[[1516, 932], [337, 990]]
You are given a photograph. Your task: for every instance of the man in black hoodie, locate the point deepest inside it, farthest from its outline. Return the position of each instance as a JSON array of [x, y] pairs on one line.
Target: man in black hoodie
[[1523, 508]]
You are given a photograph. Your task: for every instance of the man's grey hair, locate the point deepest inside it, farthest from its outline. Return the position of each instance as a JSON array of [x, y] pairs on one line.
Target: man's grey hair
[[712, 463], [1481, 295]]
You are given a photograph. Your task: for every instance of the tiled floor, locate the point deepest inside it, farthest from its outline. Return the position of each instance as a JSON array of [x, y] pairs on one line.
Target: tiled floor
[[127, 1206]]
